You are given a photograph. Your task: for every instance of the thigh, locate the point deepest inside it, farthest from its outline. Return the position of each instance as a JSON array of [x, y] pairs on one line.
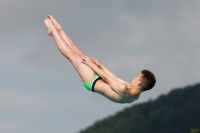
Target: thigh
[[104, 89], [84, 71]]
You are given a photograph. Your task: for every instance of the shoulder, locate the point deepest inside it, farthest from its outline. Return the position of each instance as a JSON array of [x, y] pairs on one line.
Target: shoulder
[[124, 88], [132, 91], [133, 94]]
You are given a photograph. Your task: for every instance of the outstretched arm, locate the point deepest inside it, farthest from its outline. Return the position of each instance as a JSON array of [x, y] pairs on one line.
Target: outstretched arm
[[104, 69], [115, 85]]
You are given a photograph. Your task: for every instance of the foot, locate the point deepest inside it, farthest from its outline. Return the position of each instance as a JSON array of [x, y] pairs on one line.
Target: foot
[[55, 22], [50, 26]]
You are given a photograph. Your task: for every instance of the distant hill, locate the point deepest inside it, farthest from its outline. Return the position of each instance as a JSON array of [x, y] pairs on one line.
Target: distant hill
[[176, 112]]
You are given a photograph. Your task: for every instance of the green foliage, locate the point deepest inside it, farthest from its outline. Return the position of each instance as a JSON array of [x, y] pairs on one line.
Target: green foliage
[[194, 130], [176, 112]]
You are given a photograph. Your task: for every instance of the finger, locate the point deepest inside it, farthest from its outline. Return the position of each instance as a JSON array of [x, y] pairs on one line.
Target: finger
[[83, 57], [94, 62], [93, 59], [83, 62]]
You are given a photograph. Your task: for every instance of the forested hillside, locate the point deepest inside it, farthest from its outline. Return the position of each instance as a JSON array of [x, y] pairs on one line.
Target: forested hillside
[[176, 112]]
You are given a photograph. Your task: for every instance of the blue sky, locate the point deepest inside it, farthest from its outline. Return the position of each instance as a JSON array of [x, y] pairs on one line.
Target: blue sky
[[39, 89]]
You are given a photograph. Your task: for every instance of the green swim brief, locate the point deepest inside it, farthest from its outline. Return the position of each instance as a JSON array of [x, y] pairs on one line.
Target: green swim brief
[[90, 85]]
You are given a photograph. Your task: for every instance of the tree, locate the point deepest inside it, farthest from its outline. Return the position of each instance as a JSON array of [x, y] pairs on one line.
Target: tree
[[194, 130]]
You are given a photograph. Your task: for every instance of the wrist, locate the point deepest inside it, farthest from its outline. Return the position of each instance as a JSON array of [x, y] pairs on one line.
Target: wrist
[[92, 65], [101, 66]]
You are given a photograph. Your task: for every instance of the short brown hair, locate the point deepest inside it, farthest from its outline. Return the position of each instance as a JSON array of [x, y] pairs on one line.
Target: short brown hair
[[148, 80]]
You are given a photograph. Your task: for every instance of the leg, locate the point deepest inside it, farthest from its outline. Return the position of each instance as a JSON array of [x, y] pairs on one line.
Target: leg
[[85, 72], [65, 36]]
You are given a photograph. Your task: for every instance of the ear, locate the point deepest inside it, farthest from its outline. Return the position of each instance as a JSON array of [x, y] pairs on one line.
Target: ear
[[139, 82]]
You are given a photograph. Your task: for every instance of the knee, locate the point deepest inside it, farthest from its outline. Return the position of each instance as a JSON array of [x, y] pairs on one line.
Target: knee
[[67, 52], [73, 55]]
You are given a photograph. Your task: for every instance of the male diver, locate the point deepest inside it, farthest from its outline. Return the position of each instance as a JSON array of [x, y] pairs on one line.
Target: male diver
[[95, 76]]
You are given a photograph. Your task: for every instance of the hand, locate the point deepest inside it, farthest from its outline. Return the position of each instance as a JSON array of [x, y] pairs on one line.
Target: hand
[[97, 62], [86, 60]]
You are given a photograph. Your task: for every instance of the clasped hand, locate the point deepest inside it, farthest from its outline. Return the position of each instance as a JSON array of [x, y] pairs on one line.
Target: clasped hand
[[90, 61], [86, 60]]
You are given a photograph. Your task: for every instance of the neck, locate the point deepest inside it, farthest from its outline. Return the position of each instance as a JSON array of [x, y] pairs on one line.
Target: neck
[[134, 89]]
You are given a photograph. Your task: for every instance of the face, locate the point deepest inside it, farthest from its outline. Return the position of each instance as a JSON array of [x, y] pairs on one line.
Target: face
[[137, 81]]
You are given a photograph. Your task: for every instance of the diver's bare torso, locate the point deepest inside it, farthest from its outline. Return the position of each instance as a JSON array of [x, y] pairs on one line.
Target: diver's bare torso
[[122, 97]]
